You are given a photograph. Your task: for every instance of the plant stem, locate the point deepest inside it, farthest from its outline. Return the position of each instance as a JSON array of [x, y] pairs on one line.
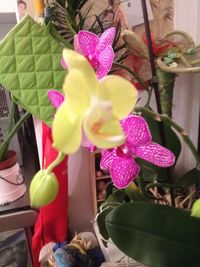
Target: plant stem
[[132, 73], [58, 159], [180, 130], [13, 132]]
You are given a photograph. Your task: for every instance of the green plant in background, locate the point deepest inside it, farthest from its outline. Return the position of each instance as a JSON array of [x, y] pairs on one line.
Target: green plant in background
[[12, 129]]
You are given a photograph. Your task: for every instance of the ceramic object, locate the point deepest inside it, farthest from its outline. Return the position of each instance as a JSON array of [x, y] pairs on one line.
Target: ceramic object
[[12, 185]]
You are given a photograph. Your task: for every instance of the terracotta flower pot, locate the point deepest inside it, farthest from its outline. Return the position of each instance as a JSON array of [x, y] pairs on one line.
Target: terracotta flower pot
[[12, 185], [10, 161]]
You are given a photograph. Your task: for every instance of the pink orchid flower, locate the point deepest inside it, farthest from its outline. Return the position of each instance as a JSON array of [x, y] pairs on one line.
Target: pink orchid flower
[[98, 50], [56, 98], [120, 161]]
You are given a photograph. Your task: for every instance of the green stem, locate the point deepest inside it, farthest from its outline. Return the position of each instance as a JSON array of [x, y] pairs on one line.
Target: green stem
[[59, 158], [17, 126], [165, 118], [132, 73]]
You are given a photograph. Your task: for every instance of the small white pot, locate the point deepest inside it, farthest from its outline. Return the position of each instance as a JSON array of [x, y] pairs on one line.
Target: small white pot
[[12, 185]]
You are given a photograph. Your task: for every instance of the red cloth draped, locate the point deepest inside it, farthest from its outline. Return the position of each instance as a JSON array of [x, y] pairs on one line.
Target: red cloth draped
[[51, 224]]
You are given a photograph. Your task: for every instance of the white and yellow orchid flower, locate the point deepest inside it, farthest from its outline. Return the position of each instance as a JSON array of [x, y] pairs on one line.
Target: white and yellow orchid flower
[[91, 105]]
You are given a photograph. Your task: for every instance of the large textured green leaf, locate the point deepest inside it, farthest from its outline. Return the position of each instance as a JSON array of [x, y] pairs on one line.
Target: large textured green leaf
[[30, 66], [156, 235]]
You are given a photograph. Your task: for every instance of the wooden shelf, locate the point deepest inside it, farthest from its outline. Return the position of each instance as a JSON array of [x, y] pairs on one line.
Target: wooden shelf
[[103, 177], [100, 200], [95, 158]]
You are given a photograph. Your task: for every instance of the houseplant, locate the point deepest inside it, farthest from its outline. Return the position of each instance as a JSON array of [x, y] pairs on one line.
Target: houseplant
[[12, 183], [163, 246], [159, 235]]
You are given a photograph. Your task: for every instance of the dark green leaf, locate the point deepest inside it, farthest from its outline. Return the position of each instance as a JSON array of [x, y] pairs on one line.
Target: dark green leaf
[[189, 178], [117, 196], [101, 222], [156, 235]]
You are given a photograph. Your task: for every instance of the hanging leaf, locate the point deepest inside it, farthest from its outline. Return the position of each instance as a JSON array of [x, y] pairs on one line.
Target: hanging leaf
[[156, 235], [102, 223], [189, 178]]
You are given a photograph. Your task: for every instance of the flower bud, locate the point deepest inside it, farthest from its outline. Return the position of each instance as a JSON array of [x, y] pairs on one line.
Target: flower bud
[[43, 188]]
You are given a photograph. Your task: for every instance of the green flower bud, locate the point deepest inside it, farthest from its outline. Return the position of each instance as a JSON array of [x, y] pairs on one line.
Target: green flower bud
[[43, 188], [196, 209]]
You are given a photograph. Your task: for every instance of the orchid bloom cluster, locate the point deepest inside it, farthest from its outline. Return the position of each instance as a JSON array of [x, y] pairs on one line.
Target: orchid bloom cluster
[[91, 109], [95, 112]]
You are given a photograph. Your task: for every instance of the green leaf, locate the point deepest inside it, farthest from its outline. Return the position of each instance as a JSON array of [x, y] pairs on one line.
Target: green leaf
[[148, 173], [101, 222], [117, 196], [133, 194], [156, 235], [189, 178]]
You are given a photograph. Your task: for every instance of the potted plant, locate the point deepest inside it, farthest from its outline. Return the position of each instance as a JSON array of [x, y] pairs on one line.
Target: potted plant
[[153, 220], [11, 180]]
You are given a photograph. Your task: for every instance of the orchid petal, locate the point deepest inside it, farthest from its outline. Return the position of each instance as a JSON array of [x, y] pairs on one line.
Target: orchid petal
[[156, 154], [106, 39], [77, 61], [76, 89], [118, 91], [105, 62], [56, 98], [66, 130], [63, 64], [76, 45], [136, 130], [107, 158], [123, 170], [88, 42], [101, 129]]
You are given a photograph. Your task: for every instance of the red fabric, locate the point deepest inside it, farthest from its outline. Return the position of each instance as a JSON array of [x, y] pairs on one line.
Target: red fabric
[[51, 225]]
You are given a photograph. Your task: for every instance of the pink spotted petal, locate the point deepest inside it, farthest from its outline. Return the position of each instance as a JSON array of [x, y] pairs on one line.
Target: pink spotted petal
[[156, 154], [63, 64], [76, 45], [88, 42], [106, 38], [123, 171], [56, 98], [107, 157], [105, 61], [136, 130]]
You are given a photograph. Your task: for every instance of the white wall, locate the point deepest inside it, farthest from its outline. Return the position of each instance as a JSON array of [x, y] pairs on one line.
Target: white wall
[[80, 197], [187, 89]]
